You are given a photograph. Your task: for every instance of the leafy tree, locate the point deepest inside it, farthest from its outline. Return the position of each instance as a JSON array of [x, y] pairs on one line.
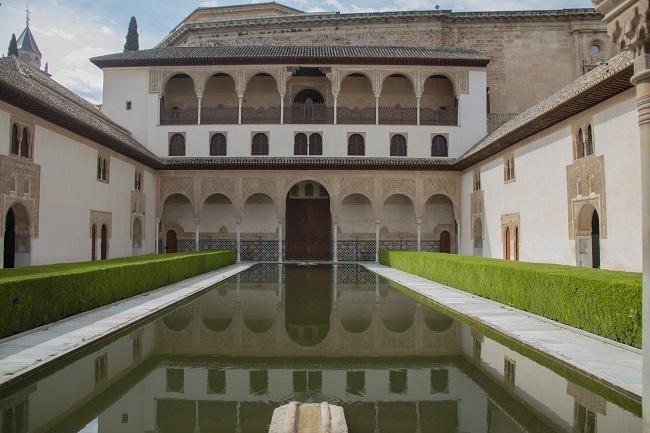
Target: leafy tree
[[132, 37], [13, 46]]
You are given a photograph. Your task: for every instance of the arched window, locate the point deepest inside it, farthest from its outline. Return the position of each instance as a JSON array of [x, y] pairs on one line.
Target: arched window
[[398, 145], [590, 142], [24, 144], [356, 145], [315, 144], [260, 144], [439, 146], [93, 242], [15, 143], [506, 242], [99, 167], [300, 144], [177, 145], [580, 151], [137, 233], [517, 243], [218, 145]]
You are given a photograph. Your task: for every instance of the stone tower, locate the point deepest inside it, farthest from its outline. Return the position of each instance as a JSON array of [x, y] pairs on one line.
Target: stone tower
[[27, 49]]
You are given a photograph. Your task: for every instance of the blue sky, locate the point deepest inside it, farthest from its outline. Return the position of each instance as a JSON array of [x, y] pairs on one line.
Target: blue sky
[[69, 32]]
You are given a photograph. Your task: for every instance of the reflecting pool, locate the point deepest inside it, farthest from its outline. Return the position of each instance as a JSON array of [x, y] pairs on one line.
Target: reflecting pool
[[274, 334]]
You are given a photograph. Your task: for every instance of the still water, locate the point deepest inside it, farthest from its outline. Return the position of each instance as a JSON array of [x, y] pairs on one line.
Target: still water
[[274, 334]]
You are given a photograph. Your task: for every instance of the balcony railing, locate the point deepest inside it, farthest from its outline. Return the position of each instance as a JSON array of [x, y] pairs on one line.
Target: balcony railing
[[219, 115], [259, 115], [306, 114], [358, 116], [429, 116], [179, 116], [398, 115]]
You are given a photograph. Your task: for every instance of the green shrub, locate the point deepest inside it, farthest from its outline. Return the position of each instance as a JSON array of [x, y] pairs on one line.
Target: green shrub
[[606, 303], [37, 295]]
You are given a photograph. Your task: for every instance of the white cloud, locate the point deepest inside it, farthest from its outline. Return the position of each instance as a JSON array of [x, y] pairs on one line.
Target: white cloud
[[68, 37]]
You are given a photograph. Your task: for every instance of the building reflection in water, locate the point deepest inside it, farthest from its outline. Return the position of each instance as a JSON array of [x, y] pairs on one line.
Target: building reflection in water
[[274, 334]]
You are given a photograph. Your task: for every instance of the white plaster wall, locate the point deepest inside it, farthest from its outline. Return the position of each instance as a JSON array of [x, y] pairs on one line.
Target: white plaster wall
[[129, 84], [69, 190], [539, 193], [122, 84]]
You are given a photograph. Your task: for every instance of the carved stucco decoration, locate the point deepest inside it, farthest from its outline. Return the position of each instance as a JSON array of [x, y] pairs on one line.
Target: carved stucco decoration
[[262, 185], [627, 23], [477, 202], [169, 185], [20, 183], [358, 185], [218, 185], [447, 186], [587, 399], [155, 81], [100, 218], [405, 186], [586, 187]]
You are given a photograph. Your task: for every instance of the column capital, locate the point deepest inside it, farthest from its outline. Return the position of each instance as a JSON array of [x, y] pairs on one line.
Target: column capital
[[627, 23]]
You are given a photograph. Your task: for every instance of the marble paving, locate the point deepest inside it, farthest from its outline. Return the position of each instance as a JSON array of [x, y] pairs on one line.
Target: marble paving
[[25, 353], [610, 362]]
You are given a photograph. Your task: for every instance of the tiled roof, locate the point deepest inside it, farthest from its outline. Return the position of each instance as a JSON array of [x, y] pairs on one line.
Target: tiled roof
[[31, 90], [335, 54], [601, 83], [27, 42], [306, 163]]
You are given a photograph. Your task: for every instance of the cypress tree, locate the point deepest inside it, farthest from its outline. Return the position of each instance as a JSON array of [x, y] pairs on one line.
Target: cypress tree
[[132, 42], [13, 46]]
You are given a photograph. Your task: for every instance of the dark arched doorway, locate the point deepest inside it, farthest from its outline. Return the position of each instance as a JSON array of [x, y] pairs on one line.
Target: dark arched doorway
[[309, 222], [10, 240], [595, 240], [104, 242], [171, 244], [445, 242]]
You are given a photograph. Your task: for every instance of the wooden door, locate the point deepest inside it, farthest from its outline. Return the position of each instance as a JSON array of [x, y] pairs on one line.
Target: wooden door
[[309, 233], [445, 242], [104, 241], [171, 244]]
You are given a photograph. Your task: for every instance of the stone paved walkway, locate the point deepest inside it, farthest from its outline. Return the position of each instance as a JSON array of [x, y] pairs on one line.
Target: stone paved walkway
[[610, 362], [35, 349]]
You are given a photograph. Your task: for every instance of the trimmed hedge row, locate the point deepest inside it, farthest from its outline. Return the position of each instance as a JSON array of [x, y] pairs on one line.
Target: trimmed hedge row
[[38, 295], [606, 303]]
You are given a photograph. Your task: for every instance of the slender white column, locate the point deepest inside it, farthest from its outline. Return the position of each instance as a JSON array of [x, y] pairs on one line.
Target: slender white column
[[335, 256], [282, 109], [238, 242], [241, 100], [336, 109], [196, 235], [376, 110], [200, 98], [280, 241], [157, 235], [419, 228], [417, 108], [377, 241]]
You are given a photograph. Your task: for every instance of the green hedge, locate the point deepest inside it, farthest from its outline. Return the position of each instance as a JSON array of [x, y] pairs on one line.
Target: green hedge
[[606, 303], [37, 295]]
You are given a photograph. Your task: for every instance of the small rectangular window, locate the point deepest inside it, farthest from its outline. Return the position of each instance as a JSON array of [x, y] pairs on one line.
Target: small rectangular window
[[128, 105], [175, 380], [398, 381], [259, 382], [509, 371], [216, 381], [355, 382]]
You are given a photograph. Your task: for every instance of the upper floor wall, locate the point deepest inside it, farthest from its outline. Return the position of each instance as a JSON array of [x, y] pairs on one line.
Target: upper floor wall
[[281, 101], [519, 43]]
